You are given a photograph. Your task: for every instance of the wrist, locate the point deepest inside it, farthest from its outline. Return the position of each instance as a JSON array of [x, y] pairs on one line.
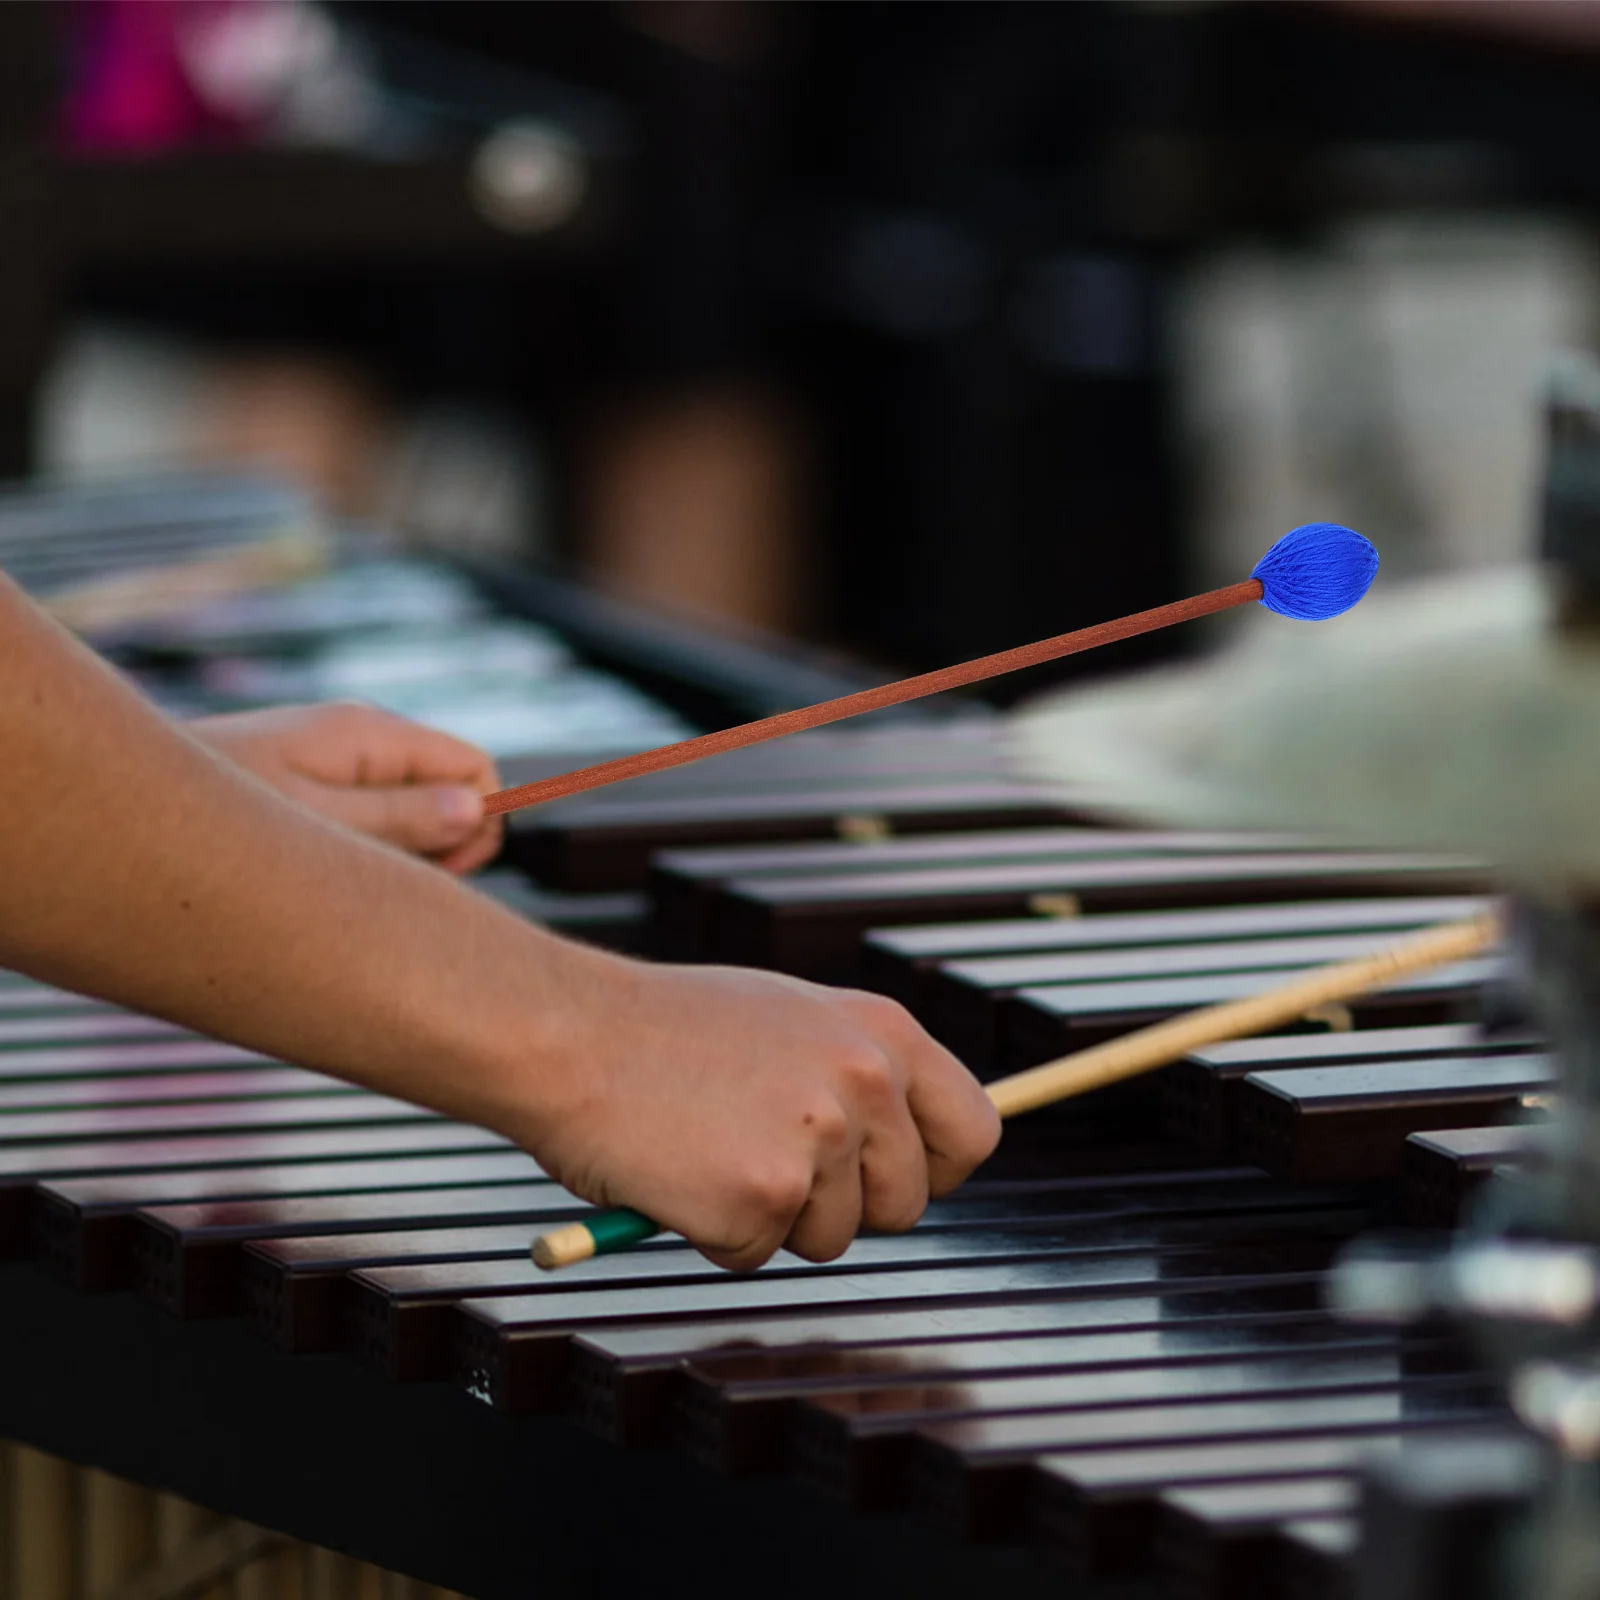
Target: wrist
[[534, 1061]]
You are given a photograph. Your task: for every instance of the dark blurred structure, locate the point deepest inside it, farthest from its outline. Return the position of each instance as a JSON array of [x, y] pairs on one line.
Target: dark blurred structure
[[911, 262]]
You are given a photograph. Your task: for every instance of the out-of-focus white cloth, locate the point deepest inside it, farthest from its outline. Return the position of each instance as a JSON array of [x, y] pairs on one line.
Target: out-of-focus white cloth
[[1450, 714]]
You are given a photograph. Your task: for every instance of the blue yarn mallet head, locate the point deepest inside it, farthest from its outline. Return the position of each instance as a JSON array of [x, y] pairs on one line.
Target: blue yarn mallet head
[[1316, 571]]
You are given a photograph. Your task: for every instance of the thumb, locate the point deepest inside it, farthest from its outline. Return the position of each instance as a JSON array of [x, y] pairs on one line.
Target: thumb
[[426, 819]]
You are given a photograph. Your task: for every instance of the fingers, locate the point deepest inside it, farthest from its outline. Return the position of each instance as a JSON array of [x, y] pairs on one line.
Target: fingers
[[786, 1113], [755, 1225], [480, 847], [820, 1229], [442, 820], [413, 787], [956, 1120], [831, 1217], [894, 1172], [956, 1124], [379, 773], [361, 744], [893, 1167], [906, 1119]]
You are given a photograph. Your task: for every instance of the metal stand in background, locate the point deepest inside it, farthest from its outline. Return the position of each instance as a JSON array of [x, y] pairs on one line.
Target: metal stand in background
[[1505, 1517]]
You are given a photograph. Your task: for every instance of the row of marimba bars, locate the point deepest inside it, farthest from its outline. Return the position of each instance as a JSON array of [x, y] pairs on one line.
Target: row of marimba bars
[[304, 1250], [77, 1533], [1007, 993], [1024, 936]]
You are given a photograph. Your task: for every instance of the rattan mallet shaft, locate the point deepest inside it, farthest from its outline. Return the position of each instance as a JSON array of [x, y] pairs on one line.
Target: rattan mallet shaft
[[1313, 572], [1127, 1057], [863, 701]]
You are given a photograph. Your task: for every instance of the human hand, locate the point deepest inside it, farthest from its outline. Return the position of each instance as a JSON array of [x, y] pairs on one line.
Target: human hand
[[376, 772], [747, 1110]]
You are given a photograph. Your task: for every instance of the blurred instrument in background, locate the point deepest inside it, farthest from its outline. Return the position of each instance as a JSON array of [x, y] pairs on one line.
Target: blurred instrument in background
[[109, 558], [785, 305]]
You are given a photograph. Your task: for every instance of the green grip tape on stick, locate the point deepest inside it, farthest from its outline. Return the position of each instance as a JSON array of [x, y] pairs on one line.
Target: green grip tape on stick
[[604, 1232]]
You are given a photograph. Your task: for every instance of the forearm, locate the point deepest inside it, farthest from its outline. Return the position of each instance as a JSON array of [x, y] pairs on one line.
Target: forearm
[[137, 865], [742, 1108]]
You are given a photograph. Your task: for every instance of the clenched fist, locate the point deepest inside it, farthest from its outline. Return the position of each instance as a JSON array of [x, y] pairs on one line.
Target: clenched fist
[[748, 1111]]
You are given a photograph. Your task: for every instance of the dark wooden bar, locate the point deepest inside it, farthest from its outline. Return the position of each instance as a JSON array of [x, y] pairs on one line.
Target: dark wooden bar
[[116, 1060], [1200, 1094], [813, 926], [971, 1474], [858, 1444], [296, 1290], [209, 1150], [81, 1229], [84, 1026], [961, 1000], [895, 961], [512, 1350], [1221, 1541], [683, 883], [732, 1412], [1442, 1169], [1039, 1024], [256, 1082], [401, 1315], [187, 1258], [1333, 1124], [1097, 1508], [41, 998], [605, 842], [622, 1381], [222, 1116]]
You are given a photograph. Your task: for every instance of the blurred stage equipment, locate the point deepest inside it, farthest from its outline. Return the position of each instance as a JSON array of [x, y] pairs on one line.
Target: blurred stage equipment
[[1461, 714], [314, 226], [957, 242]]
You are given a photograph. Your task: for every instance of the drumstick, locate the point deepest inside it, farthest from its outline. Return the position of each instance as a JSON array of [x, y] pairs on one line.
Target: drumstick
[[1313, 572], [1156, 1046]]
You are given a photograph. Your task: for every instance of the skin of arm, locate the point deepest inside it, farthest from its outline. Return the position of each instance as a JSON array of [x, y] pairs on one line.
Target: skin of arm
[[742, 1109]]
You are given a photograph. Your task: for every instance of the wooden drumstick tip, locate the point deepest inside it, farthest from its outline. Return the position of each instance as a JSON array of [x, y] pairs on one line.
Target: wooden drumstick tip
[[606, 1231], [563, 1247]]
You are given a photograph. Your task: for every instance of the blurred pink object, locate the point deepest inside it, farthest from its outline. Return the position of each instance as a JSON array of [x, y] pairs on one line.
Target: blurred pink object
[[148, 75]]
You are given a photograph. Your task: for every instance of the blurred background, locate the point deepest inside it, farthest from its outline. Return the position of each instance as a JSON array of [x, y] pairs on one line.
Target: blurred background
[[906, 330]]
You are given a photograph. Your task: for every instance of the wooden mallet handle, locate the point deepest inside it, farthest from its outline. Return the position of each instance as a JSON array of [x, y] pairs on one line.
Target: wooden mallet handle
[[1143, 1051], [1165, 1042]]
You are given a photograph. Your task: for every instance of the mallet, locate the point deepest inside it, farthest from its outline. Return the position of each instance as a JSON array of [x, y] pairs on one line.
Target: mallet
[[1313, 572], [1124, 1057]]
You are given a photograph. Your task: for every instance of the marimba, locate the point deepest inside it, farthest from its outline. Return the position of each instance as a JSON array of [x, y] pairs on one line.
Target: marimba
[[1105, 1360]]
